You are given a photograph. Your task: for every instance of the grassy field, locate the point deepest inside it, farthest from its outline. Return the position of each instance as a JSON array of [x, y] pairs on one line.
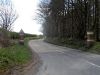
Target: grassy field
[[16, 55]]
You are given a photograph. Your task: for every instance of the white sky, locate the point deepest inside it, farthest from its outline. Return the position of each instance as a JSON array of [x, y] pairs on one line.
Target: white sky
[[26, 10]]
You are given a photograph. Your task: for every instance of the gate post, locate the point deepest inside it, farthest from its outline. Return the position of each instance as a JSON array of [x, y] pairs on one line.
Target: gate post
[[90, 38]]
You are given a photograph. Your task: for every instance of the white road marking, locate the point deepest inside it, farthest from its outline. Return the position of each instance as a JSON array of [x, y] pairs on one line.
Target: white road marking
[[59, 51], [86, 60], [93, 64]]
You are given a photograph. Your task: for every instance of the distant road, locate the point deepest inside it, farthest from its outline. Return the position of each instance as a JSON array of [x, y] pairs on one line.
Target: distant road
[[65, 61]]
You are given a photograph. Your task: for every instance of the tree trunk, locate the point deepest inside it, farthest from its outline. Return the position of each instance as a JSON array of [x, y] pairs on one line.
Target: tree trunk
[[97, 23]]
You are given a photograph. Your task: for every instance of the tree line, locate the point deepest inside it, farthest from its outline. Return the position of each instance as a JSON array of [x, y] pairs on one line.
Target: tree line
[[70, 19]]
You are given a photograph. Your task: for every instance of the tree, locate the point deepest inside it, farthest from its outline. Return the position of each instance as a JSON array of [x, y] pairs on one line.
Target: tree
[[97, 20], [71, 18], [7, 17], [7, 14]]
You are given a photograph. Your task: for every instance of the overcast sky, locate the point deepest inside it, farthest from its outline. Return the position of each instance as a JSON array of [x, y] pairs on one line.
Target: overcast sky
[[26, 10]]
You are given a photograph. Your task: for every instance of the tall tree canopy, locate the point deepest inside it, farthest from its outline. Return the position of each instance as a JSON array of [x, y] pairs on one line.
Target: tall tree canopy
[[70, 18]]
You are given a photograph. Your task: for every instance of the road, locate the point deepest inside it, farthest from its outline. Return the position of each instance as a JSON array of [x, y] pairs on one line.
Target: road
[[57, 60]]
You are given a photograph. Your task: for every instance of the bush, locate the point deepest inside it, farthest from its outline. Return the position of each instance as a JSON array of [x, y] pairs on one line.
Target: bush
[[4, 38], [95, 48], [15, 35], [67, 42]]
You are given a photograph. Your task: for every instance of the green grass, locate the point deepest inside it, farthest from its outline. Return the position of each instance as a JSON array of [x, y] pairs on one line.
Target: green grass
[[75, 44], [16, 55], [95, 48]]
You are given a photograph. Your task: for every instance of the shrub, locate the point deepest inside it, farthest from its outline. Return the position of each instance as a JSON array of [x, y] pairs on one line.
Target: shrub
[[66, 42], [4, 38]]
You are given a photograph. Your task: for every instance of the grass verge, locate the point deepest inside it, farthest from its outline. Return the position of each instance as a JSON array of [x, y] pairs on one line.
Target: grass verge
[[16, 55], [95, 48], [75, 44]]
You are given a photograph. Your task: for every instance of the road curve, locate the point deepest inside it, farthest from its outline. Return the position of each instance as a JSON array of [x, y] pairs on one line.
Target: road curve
[[59, 60]]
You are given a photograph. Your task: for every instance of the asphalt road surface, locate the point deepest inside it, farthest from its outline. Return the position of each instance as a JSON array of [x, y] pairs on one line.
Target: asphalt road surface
[[57, 60]]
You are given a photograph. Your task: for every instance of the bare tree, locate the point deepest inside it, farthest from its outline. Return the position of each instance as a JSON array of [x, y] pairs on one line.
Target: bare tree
[[7, 17], [7, 14]]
